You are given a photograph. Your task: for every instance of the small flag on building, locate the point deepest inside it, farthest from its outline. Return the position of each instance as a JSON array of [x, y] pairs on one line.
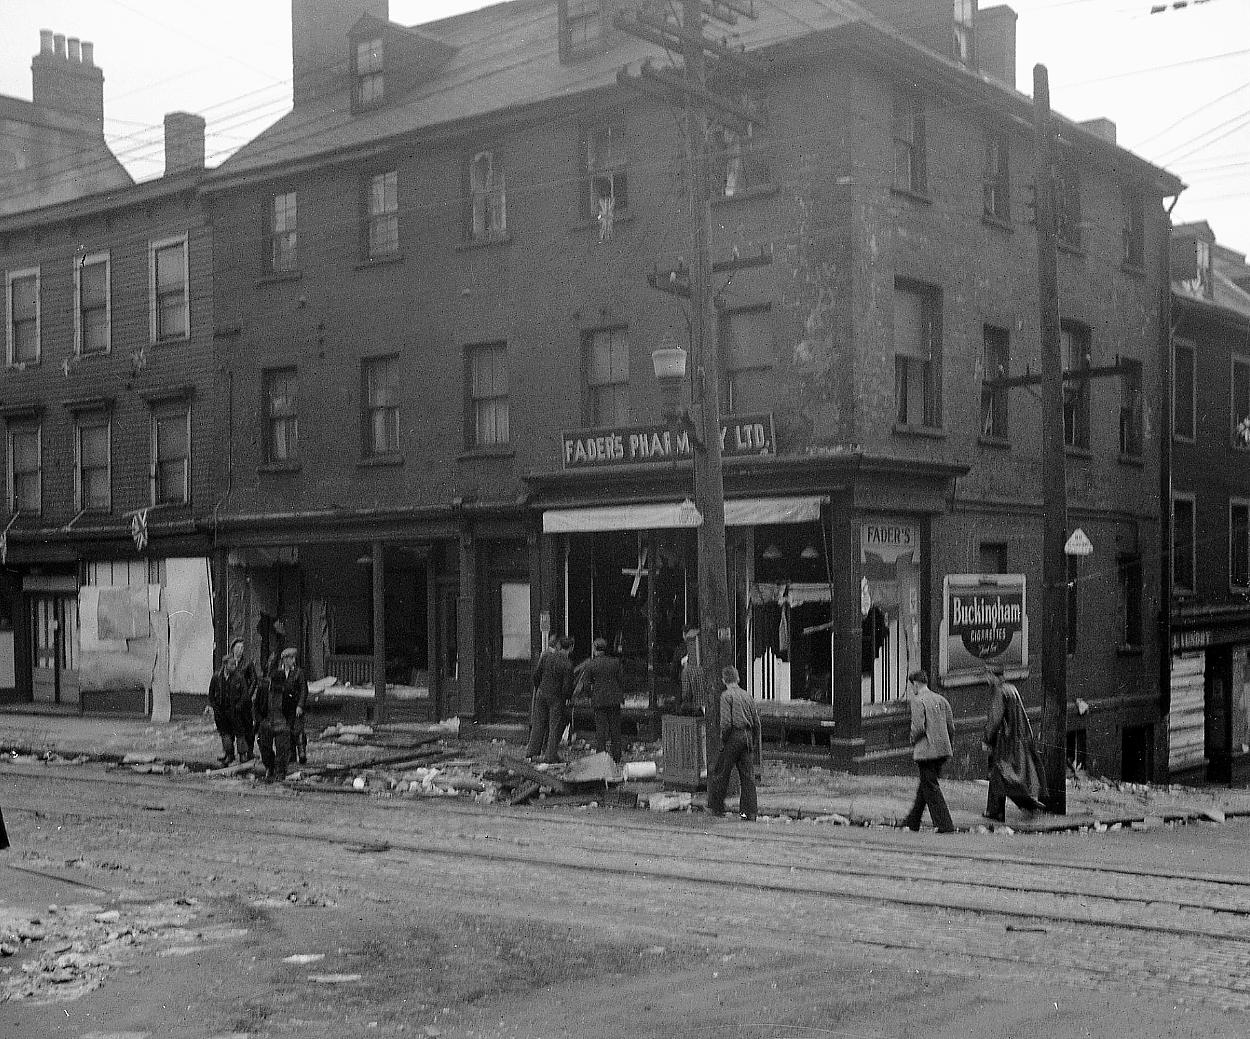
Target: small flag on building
[[139, 529], [4, 548]]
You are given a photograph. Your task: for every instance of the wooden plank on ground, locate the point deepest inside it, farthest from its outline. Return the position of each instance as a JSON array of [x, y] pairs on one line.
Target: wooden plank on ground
[[534, 775], [523, 793]]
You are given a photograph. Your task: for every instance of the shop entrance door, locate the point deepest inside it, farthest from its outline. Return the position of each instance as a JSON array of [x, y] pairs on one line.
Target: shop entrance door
[[446, 641], [509, 659], [54, 648]]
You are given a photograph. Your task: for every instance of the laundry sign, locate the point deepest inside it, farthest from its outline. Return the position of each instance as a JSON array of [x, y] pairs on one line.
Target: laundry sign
[[984, 620], [740, 436]]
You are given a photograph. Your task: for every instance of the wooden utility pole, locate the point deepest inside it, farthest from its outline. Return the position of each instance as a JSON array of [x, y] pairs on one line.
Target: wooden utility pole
[[1054, 463]]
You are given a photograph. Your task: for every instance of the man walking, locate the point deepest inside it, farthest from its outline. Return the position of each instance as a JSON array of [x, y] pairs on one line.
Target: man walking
[[933, 740], [740, 734], [601, 676], [1008, 738], [553, 688]]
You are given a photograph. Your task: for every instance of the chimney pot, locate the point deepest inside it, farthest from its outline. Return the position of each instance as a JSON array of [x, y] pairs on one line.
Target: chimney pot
[[45, 41], [88, 52], [75, 49], [58, 40]]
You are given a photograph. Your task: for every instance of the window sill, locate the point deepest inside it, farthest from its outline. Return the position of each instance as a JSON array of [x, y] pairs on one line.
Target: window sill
[[380, 461], [289, 465], [1128, 651], [1135, 460], [95, 355], [486, 242], [275, 277], [1083, 453], [591, 224], [990, 220], [1071, 249], [746, 195], [915, 196], [928, 432], [379, 261], [171, 341], [1137, 270], [502, 451], [998, 443], [21, 366]]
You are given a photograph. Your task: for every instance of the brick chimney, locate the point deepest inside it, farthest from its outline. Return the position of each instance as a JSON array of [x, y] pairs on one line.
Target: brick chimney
[[184, 142], [66, 79], [996, 43], [319, 52]]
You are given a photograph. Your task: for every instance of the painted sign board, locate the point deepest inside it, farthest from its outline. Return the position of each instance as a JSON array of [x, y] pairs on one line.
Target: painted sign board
[[984, 620], [1078, 544], [741, 436]]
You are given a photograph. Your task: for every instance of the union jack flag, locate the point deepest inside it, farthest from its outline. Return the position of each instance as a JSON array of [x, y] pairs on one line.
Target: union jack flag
[[139, 529]]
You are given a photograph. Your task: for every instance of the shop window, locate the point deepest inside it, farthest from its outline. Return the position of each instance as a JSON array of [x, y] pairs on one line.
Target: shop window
[[488, 396], [1239, 544], [917, 355], [996, 177], [169, 301], [93, 483], [607, 377], [909, 145], [91, 283], [281, 415], [992, 557], [889, 609], [25, 468], [1130, 409], [283, 233], [1130, 579], [1183, 386], [23, 316], [379, 377], [488, 198], [1183, 509], [997, 365], [748, 355], [171, 454], [514, 613], [1075, 350], [381, 205]]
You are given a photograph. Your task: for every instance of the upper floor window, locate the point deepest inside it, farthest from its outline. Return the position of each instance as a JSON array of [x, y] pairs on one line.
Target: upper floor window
[[917, 355], [997, 364], [996, 178], [1129, 573], [1240, 400], [93, 483], [169, 301], [909, 145], [368, 88], [23, 316], [739, 159], [992, 557], [380, 419], [1134, 228], [382, 215], [25, 474], [488, 198], [748, 355], [281, 415], [1076, 358], [1183, 386], [1239, 543], [91, 312], [965, 16], [283, 214], [1183, 509], [581, 28], [1131, 418], [606, 191], [607, 377], [171, 454], [1067, 199], [488, 395]]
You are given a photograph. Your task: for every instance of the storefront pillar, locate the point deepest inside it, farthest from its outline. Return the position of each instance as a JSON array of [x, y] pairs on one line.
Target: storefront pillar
[[466, 699], [379, 630], [846, 746]]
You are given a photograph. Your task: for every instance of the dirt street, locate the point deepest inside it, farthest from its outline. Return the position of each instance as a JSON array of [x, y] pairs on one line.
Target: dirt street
[[176, 906]]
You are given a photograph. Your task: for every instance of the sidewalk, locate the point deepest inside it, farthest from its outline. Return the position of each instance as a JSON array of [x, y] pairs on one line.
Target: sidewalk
[[794, 791]]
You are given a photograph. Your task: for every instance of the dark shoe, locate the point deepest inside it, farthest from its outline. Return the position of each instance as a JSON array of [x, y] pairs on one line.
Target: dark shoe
[[223, 761], [949, 829], [994, 818], [748, 818]]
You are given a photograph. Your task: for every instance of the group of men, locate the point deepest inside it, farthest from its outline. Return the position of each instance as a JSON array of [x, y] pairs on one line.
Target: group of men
[[267, 708]]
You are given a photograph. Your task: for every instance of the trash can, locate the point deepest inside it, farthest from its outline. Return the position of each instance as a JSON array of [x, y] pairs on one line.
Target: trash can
[[684, 744]]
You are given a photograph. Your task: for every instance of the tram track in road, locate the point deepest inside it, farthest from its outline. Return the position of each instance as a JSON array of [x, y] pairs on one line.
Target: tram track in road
[[899, 876]]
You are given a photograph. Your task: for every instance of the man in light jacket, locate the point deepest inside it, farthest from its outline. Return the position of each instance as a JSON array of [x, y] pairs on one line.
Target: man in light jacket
[[933, 739]]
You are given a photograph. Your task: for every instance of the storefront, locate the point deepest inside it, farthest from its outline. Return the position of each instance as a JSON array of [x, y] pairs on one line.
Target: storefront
[[1209, 712]]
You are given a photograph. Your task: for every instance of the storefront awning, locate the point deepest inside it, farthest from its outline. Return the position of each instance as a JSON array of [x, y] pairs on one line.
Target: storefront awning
[[664, 515]]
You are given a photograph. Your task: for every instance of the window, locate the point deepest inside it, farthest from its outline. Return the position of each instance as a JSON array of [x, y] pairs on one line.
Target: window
[[382, 215], [1129, 573], [997, 361], [1130, 408], [1239, 543], [25, 469], [1241, 403], [607, 377], [1183, 404], [169, 302], [94, 492], [993, 557], [281, 415], [23, 316], [488, 395], [748, 356], [1134, 228], [917, 355], [380, 383], [738, 159], [1067, 200], [91, 314], [965, 14], [369, 86], [1074, 624], [489, 198], [1075, 350], [607, 181], [996, 178], [909, 145], [581, 28], [282, 233], [1183, 508], [171, 454]]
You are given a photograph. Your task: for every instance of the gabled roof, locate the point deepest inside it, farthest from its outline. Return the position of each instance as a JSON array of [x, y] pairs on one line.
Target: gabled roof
[[507, 58]]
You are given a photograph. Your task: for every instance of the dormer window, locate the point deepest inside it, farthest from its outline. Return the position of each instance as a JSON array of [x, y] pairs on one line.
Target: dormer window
[[368, 90], [581, 28]]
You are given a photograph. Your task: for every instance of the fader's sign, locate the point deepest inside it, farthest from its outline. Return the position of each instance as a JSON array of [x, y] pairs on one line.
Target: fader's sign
[[983, 621], [740, 436]]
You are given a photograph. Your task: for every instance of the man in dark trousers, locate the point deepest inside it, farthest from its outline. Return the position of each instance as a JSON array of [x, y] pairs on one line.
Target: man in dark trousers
[[230, 696], [933, 741], [600, 675], [553, 688], [281, 699], [1008, 738], [740, 734]]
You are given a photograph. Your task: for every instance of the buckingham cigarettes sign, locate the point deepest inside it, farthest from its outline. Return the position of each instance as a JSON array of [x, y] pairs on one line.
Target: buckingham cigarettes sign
[[983, 621], [740, 436]]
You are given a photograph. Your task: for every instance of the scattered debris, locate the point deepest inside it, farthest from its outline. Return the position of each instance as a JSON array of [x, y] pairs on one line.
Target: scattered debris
[[304, 957], [675, 801], [333, 979]]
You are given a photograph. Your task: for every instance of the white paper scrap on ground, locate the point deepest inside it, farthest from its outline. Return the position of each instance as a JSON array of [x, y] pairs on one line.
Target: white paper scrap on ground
[[304, 957]]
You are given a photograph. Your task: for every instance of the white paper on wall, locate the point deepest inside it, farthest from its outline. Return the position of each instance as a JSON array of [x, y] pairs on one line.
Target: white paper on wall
[[189, 605]]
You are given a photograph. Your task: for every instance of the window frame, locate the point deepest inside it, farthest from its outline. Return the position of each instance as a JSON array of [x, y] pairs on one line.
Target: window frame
[[1178, 586], [155, 246], [1239, 418], [586, 14], [995, 398], [1132, 409], [764, 360], [370, 219], [1076, 392], [175, 408], [996, 182], [1184, 345], [731, 148], [289, 233], [1242, 503], [614, 169], [289, 421], [907, 114], [83, 261], [964, 49], [374, 73], [488, 203], [592, 412], [10, 332], [92, 420], [390, 410], [931, 365], [11, 429], [475, 402], [1134, 228]]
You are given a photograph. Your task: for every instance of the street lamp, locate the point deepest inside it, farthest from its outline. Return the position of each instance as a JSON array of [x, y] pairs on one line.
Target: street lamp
[[669, 362]]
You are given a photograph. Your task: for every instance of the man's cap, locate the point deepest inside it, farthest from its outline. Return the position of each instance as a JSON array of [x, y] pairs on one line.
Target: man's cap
[[601, 643], [290, 651]]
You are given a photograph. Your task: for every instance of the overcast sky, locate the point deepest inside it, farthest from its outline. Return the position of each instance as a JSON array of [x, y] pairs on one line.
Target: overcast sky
[[1177, 83]]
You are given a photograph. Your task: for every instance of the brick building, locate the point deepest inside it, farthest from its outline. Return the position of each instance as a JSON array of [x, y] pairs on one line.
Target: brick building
[[444, 433], [108, 389], [1210, 491]]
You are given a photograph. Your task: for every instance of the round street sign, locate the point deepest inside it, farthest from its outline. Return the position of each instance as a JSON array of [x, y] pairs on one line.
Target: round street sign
[[1078, 544]]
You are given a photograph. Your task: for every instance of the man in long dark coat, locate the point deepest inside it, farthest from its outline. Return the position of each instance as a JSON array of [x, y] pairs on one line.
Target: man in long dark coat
[[1009, 737], [553, 690]]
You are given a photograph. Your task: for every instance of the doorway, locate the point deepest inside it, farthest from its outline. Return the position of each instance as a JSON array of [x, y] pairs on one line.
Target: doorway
[[54, 648]]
